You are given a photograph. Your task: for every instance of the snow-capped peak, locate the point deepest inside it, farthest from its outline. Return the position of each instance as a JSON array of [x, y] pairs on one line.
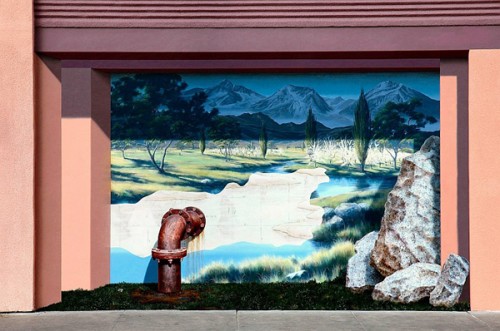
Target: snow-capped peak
[[391, 90]]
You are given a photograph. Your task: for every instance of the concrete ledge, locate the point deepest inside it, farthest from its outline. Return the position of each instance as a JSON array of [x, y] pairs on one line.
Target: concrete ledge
[[250, 320]]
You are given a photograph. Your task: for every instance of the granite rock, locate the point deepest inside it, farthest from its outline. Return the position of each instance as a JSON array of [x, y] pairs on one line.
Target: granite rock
[[410, 227], [451, 282], [408, 285], [361, 276]]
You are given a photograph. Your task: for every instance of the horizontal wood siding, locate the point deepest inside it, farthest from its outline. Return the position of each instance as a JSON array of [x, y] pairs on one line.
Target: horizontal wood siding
[[264, 13]]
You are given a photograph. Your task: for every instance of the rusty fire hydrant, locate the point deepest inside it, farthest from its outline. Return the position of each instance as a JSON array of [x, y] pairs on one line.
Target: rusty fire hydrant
[[177, 225]]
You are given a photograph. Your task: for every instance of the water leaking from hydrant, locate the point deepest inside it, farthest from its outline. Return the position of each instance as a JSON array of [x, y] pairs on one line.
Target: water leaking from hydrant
[[195, 251], [177, 225]]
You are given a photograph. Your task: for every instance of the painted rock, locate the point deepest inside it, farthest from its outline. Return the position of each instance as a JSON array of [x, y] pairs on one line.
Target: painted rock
[[297, 275], [328, 213], [351, 212]]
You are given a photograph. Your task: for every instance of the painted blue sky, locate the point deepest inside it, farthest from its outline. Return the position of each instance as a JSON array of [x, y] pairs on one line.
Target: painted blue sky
[[346, 85]]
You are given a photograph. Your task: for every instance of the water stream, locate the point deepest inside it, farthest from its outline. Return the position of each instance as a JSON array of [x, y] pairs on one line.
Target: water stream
[[341, 185]]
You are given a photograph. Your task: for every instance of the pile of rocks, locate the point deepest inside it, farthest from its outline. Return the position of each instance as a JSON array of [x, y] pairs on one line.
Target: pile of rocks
[[401, 262]]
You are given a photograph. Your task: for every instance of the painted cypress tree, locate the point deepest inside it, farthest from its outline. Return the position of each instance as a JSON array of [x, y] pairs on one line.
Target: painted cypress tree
[[362, 129], [263, 141], [311, 133], [202, 142]]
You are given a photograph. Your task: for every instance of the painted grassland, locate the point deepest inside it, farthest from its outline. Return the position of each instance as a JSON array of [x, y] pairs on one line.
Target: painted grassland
[[134, 177]]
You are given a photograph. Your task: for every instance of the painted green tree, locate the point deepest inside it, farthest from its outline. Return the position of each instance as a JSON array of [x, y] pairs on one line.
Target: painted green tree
[[225, 133], [263, 139], [150, 108], [397, 122], [362, 130], [310, 130], [203, 141]]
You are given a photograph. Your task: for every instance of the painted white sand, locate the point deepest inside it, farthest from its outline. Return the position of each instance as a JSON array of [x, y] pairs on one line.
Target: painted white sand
[[269, 209]]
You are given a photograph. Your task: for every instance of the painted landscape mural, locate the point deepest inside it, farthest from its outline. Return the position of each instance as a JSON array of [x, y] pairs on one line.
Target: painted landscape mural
[[289, 169]]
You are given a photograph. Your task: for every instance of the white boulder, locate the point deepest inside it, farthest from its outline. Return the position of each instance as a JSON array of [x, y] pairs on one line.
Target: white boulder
[[410, 229], [408, 285], [451, 282], [361, 276]]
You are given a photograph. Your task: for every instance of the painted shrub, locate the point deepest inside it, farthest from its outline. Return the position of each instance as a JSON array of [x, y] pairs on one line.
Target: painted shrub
[[266, 157]]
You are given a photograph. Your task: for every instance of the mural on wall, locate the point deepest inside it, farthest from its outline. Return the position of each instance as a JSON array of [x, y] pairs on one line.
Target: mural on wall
[[289, 169]]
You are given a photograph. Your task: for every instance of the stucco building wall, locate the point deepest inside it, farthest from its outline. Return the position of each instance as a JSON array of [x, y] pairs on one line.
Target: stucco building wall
[[484, 163], [41, 222], [17, 147]]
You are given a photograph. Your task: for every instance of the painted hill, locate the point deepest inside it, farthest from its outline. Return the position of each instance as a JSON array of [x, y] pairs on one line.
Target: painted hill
[[395, 92], [291, 103], [251, 124], [229, 98]]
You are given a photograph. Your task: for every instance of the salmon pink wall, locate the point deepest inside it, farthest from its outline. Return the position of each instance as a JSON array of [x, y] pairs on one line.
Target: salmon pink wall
[[85, 182], [16, 155], [484, 163], [48, 182], [83, 229], [449, 102], [454, 160]]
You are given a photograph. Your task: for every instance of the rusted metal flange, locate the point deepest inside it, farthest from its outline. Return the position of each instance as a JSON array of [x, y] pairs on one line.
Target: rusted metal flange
[[172, 211], [163, 254], [196, 222]]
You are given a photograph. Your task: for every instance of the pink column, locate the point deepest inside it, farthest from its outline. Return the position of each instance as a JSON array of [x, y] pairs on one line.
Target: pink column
[[48, 182], [454, 160], [85, 178], [17, 240], [484, 151]]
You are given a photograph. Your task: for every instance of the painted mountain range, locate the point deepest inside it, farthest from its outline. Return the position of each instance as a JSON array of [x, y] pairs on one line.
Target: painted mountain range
[[291, 103]]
